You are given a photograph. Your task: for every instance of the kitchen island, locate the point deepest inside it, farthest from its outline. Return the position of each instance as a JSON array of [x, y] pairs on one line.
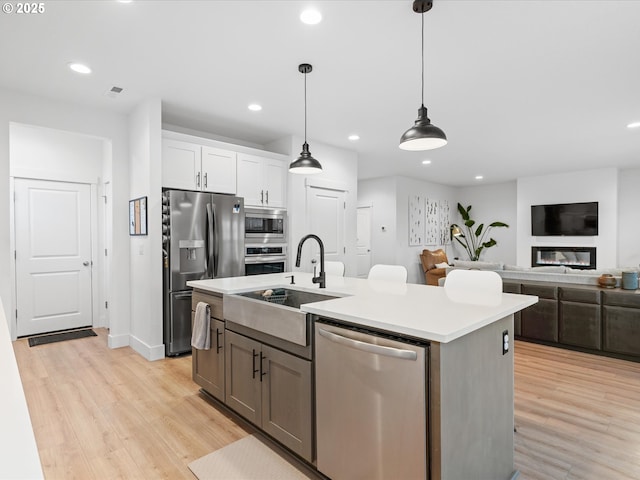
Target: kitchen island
[[468, 430]]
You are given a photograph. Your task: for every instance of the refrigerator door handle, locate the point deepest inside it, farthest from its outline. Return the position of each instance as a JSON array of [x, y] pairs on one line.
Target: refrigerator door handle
[[210, 232], [215, 238]]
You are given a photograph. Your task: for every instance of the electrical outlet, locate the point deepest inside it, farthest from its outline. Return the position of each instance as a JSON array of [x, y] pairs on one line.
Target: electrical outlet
[[505, 342]]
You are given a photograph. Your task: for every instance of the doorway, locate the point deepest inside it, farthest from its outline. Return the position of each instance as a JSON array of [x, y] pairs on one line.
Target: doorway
[[363, 241], [325, 214], [53, 258]]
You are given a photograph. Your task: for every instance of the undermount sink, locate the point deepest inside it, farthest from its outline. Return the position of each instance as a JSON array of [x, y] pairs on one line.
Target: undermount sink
[[287, 297], [278, 314]]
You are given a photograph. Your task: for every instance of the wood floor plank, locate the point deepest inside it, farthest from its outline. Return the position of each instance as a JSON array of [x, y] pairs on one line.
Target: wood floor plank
[[100, 414]]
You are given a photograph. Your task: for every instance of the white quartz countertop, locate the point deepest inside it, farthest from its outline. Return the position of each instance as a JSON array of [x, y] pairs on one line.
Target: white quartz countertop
[[420, 311], [18, 451]]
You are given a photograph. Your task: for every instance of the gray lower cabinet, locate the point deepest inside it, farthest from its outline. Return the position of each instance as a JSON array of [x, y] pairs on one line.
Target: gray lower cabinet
[[540, 321], [509, 287], [579, 320], [208, 365], [271, 389]]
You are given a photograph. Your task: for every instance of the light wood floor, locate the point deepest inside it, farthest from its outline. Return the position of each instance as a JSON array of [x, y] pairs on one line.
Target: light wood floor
[[100, 413]]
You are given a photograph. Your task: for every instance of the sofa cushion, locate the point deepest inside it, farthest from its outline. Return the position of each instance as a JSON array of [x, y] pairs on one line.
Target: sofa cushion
[[550, 269], [478, 265]]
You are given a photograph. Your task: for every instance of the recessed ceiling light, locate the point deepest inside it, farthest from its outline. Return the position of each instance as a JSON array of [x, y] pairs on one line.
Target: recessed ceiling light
[[354, 137], [479, 177], [125, 1], [311, 17], [426, 162], [634, 125], [79, 68], [254, 107]]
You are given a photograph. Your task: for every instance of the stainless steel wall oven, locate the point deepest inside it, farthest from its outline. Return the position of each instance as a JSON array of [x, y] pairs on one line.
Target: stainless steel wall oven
[[265, 258]]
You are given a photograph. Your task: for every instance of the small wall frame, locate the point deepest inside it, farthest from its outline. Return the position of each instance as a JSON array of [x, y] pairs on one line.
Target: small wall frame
[[138, 216]]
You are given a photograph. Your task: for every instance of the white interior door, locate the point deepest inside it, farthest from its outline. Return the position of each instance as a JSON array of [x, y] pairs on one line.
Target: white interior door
[[363, 241], [53, 256], [325, 211]]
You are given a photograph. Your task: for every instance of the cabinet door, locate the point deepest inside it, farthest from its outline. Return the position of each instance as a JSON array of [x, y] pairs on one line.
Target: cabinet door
[[580, 325], [208, 365], [242, 380], [286, 400], [275, 183], [621, 330], [218, 170], [540, 321], [250, 179], [180, 164]]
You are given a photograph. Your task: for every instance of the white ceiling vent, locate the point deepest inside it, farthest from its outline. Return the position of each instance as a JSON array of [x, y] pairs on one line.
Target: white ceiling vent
[[113, 92]]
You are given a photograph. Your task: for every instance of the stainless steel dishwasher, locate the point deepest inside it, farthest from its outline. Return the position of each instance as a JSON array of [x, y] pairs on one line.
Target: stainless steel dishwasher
[[371, 405]]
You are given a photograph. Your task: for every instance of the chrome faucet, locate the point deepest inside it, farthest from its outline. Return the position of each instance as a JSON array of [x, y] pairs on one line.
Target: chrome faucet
[[320, 278]]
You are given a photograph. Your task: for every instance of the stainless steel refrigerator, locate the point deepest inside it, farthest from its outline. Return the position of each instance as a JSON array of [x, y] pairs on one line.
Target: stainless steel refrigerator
[[203, 237]]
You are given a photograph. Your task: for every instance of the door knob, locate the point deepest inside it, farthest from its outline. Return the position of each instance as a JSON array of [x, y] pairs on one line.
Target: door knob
[[85, 263]]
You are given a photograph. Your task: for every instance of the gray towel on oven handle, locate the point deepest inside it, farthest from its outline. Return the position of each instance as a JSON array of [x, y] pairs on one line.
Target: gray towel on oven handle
[[201, 335]]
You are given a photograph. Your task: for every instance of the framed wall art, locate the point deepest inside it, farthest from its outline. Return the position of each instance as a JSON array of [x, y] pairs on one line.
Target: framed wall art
[[138, 216]]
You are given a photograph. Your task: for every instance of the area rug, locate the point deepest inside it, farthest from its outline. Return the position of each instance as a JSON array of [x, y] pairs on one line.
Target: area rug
[[245, 459], [60, 337]]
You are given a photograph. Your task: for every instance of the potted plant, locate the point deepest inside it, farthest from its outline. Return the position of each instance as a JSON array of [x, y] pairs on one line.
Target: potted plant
[[473, 239]]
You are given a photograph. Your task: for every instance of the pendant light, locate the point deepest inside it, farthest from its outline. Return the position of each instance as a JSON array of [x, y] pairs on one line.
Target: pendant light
[[423, 135], [305, 164]]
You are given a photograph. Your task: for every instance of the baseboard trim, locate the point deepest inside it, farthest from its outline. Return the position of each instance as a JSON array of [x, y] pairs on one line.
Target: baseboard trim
[[151, 353], [117, 341]]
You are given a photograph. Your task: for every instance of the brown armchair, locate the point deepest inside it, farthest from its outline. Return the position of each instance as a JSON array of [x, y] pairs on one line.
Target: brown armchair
[[429, 261]]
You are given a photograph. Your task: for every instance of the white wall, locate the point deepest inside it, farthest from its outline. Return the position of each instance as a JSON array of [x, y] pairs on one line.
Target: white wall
[[491, 203], [599, 185], [405, 254], [31, 110], [49, 154], [389, 198], [339, 168], [145, 253], [628, 218], [380, 194]]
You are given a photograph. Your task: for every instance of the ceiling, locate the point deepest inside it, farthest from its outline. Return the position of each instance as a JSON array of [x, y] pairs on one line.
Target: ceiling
[[521, 87]]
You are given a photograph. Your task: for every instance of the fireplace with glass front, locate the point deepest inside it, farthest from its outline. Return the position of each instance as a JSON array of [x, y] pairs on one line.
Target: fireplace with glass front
[[582, 258]]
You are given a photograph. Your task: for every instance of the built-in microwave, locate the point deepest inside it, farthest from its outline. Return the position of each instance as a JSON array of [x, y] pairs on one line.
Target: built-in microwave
[[263, 225]]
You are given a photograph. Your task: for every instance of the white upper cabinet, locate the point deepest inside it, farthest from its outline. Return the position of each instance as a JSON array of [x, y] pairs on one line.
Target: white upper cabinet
[[180, 164], [190, 166], [218, 170], [261, 181]]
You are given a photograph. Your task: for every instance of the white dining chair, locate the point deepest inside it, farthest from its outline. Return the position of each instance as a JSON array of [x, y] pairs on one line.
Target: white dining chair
[[334, 268], [388, 273], [478, 287]]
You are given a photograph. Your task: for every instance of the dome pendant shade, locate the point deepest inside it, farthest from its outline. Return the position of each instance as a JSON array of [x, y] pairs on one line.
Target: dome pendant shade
[[423, 135], [305, 164]]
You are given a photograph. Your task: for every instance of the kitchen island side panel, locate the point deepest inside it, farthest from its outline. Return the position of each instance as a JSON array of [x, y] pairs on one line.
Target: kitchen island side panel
[[471, 405]]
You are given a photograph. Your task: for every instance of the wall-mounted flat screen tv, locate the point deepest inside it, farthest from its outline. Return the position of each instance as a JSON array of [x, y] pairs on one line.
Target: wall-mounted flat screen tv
[[575, 219]]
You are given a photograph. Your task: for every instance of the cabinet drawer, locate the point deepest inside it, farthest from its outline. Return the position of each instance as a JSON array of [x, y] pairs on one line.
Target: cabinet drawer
[[621, 330], [508, 287], [542, 291], [622, 299], [582, 295], [214, 301], [580, 325]]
